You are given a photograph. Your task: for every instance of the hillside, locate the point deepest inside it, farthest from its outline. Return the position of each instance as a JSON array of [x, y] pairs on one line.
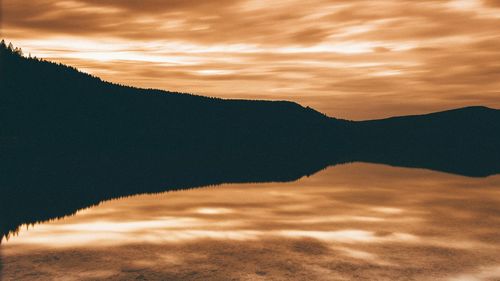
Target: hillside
[[463, 141], [50, 104]]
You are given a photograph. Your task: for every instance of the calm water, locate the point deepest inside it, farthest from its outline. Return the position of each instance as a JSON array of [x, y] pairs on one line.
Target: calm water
[[349, 222]]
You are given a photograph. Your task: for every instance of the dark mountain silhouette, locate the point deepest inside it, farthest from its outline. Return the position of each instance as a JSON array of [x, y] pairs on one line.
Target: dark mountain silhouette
[[69, 140], [48, 104], [462, 141]]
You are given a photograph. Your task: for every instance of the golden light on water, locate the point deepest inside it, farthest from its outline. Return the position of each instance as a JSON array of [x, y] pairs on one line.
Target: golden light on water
[[386, 223]]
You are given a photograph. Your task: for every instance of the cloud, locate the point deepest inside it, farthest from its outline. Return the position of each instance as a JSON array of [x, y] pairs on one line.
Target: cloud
[[494, 3]]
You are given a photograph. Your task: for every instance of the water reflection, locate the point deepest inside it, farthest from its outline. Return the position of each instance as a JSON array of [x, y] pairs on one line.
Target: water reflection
[[356, 221]]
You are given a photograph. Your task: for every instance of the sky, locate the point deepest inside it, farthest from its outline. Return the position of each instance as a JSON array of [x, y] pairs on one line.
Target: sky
[[350, 59]]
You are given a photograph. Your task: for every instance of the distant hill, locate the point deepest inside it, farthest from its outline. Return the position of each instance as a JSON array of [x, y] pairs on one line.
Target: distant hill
[[464, 141]]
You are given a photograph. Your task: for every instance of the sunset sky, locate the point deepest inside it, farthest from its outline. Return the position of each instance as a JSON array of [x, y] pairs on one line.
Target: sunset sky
[[351, 59]]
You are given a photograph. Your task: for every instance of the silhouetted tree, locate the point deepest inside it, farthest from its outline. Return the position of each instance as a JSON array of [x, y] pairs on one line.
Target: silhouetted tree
[[18, 51]]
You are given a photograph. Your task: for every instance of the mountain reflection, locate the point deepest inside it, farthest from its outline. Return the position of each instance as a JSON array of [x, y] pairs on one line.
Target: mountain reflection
[[354, 221]]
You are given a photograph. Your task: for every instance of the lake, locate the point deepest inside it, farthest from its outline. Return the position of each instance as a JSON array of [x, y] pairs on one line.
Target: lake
[[347, 222]]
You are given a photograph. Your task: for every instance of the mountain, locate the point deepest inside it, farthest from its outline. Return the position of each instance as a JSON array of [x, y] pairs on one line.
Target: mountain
[[50, 104], [463, 141], [57, 110], [69, 140]]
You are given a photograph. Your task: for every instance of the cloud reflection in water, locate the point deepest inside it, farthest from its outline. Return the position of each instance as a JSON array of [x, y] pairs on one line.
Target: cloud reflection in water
[[356, 221]]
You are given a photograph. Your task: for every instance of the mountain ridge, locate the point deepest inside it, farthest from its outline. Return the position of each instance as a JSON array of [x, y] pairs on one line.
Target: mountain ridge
[[472, 109], [49, 106], [150, 91]]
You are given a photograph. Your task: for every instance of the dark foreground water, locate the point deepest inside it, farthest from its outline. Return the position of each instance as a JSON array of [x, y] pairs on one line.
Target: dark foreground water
[[348, 222]]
